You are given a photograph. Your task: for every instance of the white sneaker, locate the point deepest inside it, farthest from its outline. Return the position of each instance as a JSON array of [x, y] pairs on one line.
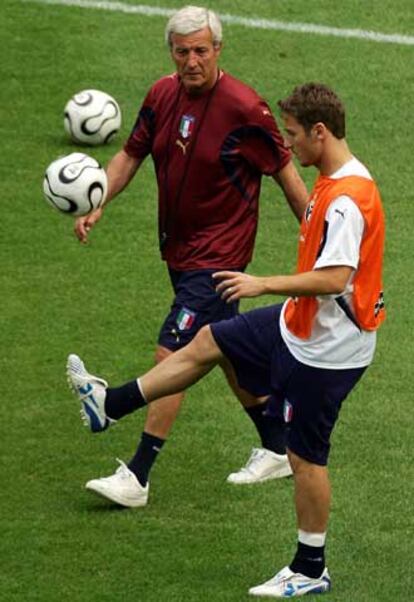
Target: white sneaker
[[91, 390], [290, 585], [262, 465], [122, 487]]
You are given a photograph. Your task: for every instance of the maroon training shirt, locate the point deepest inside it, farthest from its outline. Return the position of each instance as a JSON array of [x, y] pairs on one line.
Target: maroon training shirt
[[209, 154]]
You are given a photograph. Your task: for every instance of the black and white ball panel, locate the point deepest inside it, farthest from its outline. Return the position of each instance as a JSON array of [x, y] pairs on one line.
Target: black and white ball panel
[[92, 117]]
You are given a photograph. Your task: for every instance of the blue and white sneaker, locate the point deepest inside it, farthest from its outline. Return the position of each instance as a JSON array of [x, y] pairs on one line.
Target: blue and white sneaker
[[286, 584], [91, 391]]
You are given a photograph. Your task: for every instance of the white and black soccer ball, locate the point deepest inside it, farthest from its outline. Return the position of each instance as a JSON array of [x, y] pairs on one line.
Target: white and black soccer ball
[[92, 117], [75, 184]]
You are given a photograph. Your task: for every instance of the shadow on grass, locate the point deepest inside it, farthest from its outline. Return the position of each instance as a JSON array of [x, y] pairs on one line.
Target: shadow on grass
[[104, 507], [64, 142]]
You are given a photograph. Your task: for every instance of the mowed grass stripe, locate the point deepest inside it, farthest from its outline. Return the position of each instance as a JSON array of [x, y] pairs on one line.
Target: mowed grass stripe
[[253, 23]]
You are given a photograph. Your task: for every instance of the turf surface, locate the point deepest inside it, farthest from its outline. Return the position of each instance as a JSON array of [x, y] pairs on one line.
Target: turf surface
[[199, 539]]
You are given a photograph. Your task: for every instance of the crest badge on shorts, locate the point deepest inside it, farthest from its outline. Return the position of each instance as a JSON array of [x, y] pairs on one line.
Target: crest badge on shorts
[[186, 126], [287, 411], [185, 318]]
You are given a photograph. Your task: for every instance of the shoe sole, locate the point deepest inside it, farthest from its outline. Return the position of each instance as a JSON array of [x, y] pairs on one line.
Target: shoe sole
[[286, 472], [298, 594], [89, 415], [92, 419]]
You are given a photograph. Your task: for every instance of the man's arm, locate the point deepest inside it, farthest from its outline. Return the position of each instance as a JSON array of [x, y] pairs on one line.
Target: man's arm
[[120, 171], [324, 281], [293, 188]]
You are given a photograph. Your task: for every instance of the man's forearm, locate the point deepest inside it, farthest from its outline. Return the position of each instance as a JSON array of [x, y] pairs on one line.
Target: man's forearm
[[328, 281], [120, 171]]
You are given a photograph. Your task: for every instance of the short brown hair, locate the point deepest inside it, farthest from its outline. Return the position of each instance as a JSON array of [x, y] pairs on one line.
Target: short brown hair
[[312, 103]]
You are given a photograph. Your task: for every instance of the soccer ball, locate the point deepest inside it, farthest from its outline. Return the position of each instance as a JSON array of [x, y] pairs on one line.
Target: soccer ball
[[92, 117], [75, 184]]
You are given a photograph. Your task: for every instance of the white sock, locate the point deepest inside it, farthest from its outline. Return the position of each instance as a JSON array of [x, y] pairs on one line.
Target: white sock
[[316, 540], [140, 390]]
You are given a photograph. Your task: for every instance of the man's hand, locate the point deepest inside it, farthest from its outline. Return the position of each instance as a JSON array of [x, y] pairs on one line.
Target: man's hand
[[84, 224], [235, 285]]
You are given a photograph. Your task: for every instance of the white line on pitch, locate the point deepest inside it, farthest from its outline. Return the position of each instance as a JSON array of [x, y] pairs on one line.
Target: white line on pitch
[[256, 23]]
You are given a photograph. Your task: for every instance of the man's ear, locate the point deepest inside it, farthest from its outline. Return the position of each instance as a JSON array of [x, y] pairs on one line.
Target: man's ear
[[218, 47], [319, 130]]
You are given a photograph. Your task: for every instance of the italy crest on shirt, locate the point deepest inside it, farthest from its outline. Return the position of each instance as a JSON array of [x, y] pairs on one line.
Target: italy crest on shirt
[[186, 126], [185, 318]]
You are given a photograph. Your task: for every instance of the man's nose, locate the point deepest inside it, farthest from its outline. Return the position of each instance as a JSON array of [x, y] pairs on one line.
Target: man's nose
[[192, 59]]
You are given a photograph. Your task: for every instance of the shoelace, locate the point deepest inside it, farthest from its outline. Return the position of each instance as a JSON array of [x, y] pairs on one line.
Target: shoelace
[[81, 396], [256, 455], [123, 470], [77, 389]]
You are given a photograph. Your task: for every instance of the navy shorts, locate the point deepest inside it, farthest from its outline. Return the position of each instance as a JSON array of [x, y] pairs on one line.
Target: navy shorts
[[195, 304], [307, 399]]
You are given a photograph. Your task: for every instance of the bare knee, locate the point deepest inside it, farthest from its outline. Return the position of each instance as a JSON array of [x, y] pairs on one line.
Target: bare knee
[[301, 466], [161, 353], [297, 463]]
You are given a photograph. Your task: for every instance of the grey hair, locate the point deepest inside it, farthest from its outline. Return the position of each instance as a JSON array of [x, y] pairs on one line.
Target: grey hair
[[193, 18]]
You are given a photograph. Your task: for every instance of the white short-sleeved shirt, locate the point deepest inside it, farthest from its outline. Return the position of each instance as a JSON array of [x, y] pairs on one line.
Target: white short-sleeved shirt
[[336, 341]]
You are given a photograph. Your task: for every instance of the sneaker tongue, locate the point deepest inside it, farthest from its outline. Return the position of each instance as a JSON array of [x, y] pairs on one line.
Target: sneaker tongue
[[122, 468], [256, 455]]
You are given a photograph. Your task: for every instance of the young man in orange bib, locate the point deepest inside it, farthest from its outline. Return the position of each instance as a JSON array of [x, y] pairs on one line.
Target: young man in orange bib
[[308, 352]]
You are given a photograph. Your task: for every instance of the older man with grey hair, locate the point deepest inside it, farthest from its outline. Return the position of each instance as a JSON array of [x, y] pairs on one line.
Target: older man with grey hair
[[211, 138], [191, 19]]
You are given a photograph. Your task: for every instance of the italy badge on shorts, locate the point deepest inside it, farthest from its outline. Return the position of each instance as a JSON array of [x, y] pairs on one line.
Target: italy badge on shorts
[[287, 411], [186, 126], [185, 318]]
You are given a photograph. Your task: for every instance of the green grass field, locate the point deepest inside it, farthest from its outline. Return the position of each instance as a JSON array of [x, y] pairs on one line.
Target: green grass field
[[199, 539]]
